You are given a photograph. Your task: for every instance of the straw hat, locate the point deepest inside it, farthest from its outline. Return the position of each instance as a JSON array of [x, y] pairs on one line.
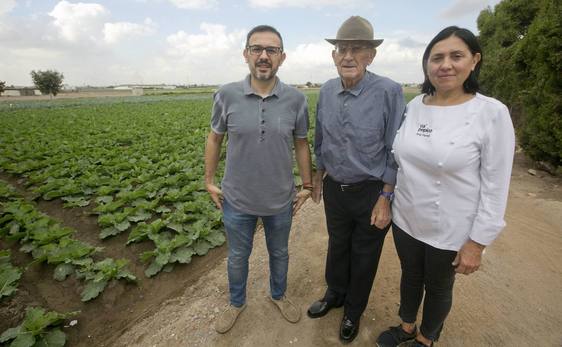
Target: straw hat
[[356, 28]]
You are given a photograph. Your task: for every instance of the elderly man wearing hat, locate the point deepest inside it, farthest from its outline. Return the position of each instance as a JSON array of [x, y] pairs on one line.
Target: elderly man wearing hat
[[358, 115]]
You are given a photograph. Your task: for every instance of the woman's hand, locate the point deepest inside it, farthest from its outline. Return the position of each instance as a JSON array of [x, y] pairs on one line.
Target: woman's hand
[[468, 258]]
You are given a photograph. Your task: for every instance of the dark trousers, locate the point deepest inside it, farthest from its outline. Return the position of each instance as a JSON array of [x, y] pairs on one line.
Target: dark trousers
[[354, 246], [429, 268]]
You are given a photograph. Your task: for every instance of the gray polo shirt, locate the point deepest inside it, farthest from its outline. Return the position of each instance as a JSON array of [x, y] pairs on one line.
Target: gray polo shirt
[[355, 129], [258, 177]]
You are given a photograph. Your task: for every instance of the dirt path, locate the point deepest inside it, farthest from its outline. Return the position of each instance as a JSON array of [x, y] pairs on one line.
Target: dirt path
[[514, 300]]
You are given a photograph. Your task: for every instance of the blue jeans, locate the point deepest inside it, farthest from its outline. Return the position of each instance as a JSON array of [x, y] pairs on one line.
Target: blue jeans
[[240, 228]]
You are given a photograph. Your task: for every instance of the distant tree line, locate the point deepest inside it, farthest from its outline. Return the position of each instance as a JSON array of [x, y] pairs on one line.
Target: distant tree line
[[522, 43]]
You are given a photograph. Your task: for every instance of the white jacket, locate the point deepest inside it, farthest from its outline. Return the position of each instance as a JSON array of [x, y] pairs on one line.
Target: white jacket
[[454, 171]]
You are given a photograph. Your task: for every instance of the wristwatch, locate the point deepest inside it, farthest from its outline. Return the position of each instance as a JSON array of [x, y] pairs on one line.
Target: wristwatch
[[388, 195]]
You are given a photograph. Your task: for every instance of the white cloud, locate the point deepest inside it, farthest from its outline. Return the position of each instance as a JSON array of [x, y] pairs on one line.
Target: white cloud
[[400, 59], [308, 62], [461, 8], [114, 32], [303, 3], [213, 56], [79, 21], [195, 4], [6, 6]]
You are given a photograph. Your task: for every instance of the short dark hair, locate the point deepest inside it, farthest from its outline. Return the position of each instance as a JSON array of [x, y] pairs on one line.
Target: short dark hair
[[262, 29], [471, 84]]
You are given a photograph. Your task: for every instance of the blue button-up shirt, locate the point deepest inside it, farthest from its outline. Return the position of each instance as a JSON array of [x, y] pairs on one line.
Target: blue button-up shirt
[[355, 129]]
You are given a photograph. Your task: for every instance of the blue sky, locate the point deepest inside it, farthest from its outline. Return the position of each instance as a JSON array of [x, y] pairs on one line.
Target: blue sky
[[103, 42]]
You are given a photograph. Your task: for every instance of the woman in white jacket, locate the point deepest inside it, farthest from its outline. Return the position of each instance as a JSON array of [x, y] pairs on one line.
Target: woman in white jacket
[[455, 153]]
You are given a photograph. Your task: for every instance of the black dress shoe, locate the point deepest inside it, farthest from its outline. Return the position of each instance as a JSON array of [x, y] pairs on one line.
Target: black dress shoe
[[348, 330], [321, 307]]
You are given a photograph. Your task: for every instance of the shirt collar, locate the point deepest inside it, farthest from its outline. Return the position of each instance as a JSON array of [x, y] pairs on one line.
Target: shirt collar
[[358, 88], [248, 90]]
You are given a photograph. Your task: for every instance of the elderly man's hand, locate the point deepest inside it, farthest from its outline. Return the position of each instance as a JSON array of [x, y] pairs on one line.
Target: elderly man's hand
[[381, 215], [299, 200], [469, 258], [216, 195]]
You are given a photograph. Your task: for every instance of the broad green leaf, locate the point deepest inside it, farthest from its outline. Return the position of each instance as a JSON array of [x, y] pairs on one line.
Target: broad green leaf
[[72, 201], [216, 238], [139, 233], [23, 340], [28, 247], [104, 199], [92, 290], [153, 269], [62, 271], [124, 225], [201, 247], [140, 215], [54, 338], [163, 258], [10, 334], [176, 226], [182, 255], [108, 232], [67, 249], [162, 209]]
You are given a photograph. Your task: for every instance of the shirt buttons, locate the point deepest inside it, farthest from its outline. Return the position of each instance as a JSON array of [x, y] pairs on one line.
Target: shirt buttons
[[398, 131], [437, 203], [438, 183], [440, 164], [466, 123], [392, 151], [452, 142]]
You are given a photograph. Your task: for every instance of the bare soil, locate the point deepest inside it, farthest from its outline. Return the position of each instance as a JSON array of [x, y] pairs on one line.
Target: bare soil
[[514, 300]]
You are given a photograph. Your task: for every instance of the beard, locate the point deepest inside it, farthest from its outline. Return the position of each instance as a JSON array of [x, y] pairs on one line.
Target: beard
[[263, 76]]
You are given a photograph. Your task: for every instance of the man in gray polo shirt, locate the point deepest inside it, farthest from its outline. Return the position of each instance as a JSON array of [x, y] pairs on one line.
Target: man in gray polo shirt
[[264, 119], [358, 115]]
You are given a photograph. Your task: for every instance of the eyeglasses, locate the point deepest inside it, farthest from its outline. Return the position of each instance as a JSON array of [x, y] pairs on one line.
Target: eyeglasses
[[343, 49], [257, 50]]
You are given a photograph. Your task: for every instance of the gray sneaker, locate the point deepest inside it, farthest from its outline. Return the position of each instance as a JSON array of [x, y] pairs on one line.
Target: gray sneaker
[[226, 320], [289, 311]]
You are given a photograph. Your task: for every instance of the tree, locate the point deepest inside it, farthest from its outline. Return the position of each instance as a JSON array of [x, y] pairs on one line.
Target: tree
[[2, 87], [48, 82], [522, 66]]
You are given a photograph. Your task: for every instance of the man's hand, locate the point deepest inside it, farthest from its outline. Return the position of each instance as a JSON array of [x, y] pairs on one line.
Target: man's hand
[[299, 199], [381, 215], [216, 195], [469, 258]]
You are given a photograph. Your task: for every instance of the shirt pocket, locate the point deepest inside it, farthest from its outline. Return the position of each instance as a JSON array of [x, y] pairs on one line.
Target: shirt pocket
[[368, 140], [286, 125]]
